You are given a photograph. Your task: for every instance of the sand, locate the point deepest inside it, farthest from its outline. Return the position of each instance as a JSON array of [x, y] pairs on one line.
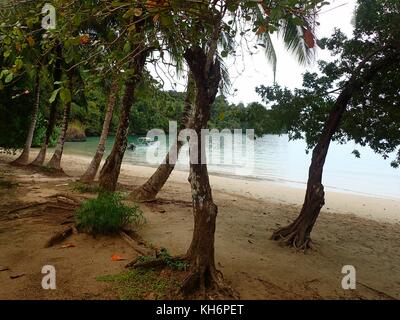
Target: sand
[[352, 230]]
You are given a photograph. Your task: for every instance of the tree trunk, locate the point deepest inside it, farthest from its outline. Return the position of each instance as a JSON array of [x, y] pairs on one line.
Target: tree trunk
[[297, 234], [53, 111], [149, 190], [23, 159], [110, 172], [55, 161], [91, 171], [203, 273]]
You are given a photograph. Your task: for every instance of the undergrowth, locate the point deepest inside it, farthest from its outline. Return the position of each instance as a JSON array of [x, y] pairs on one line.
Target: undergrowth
[[107, 214], [138, 284]]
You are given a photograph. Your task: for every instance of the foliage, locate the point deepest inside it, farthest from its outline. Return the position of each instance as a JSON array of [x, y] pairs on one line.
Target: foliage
[[137, 284], [76, 131], [373, 115], [106, 214], [164, 255]]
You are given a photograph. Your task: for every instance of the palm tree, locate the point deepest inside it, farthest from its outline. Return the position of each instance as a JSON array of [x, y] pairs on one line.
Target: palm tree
[[23, 159], [94, 165]]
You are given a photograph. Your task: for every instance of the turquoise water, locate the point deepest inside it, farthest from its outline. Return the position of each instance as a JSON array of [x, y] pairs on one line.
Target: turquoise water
[[277, 159]]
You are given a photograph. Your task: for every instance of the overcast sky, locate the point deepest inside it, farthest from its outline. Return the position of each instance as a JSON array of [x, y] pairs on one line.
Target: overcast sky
[[249, 71], [255, 70]]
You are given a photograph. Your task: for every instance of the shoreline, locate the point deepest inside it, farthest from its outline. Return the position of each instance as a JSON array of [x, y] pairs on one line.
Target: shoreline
[[372, 207]]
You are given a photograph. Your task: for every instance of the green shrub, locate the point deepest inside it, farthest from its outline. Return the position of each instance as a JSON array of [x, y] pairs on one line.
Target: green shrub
[[76, 132], [106, 214]]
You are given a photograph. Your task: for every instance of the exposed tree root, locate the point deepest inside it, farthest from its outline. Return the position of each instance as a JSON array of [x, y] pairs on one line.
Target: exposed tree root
[[66, 198], [292, 238], [28, 206], [380, 293], [59, 237], [140, 249], [137, 263], [142, 195], [206, 283]]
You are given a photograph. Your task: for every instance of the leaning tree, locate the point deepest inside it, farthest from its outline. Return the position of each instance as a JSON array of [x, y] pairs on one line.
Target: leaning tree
[[365, 78]]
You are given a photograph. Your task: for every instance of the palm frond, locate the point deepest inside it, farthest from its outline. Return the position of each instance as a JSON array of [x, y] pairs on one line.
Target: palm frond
[[293, 38]]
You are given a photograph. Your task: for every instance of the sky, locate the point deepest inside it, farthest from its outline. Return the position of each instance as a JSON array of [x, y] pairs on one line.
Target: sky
[[249, 71]]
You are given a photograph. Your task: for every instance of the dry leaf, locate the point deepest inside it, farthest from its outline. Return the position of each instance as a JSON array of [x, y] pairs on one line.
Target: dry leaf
[[261, 30], [68, 245], [116, 257], [309, 38], [156, 17]]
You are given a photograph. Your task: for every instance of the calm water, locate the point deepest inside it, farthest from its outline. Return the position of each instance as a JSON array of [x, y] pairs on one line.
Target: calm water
[[277, 159]]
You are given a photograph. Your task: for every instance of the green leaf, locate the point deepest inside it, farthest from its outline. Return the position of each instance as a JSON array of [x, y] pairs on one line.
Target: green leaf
[[65, 95], [54, 95], [9, 78]]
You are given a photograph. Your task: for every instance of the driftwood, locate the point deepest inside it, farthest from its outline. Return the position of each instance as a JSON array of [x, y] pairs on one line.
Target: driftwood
[[59, 237], [138, 248]]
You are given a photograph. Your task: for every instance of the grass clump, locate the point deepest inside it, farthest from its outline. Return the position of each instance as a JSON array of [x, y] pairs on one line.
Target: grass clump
[[81, 187], [164, 255], [139, 284], [106, 214]]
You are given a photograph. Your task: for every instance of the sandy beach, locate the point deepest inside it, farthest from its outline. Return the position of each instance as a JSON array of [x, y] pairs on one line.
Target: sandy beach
[[352, 230]]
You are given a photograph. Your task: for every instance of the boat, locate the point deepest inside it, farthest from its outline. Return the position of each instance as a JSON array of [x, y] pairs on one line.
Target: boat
[[145, 141], [132, 147]]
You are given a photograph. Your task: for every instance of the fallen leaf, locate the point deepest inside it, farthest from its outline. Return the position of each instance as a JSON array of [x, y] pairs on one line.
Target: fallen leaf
[[68, 245], [116, 257]]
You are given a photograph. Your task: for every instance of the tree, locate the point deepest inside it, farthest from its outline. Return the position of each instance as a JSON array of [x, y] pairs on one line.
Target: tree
[[111, 169], [149, 190], [94, 165], [358, 77], [65, 97], [203, 273], [23, 159], [40, 158]]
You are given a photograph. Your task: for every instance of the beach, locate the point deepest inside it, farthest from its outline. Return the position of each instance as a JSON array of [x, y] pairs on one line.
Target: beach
[[352, 229]]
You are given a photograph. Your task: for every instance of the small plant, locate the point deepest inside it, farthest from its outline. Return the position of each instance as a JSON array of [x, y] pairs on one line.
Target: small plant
[[76, 132], [106, 214], [173, 263], [85, 188], [140, 284], [164, 255]]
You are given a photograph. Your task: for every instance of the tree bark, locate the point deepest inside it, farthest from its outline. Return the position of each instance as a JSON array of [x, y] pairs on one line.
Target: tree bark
[[91, 171], [110, 172], [297, 234], [55, 161], [149, 190], [23, 159], [53, 111], [202, 273]]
